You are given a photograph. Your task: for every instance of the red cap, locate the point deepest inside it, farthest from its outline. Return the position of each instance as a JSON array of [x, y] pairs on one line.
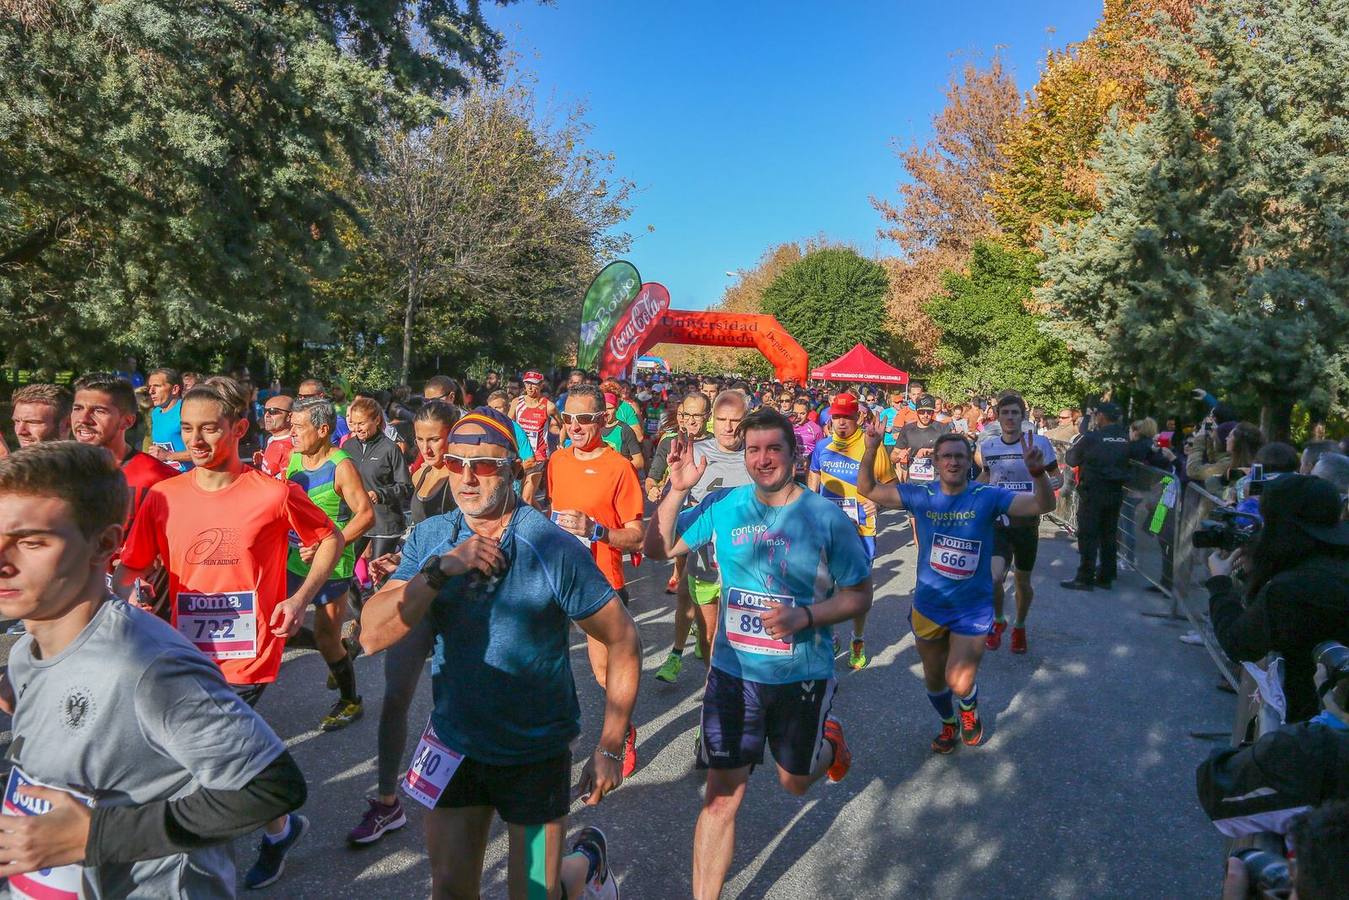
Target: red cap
[[610, 399], [843, 405], [532, 377]]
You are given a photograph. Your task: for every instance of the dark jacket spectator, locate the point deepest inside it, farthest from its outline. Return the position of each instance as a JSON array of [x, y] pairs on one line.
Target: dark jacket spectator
[[1298, 594]]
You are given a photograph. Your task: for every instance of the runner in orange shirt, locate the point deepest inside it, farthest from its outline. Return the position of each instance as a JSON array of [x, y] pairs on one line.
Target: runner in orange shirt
[[221, 530], [597, 497]]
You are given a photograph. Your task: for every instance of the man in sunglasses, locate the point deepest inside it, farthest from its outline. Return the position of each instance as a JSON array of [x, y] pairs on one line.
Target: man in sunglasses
[[597, 497], [500, 587], [274, 455]]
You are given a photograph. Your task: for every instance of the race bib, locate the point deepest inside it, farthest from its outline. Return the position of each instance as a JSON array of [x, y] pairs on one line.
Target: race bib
[[744, 622], [223, 626], [169, 448], [585, 541], [954, 557], [433, 765], [60, 883], [851, 508], [920, 469]]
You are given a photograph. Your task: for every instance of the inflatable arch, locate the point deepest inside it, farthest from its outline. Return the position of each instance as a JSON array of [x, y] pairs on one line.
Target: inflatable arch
[[716, 329]]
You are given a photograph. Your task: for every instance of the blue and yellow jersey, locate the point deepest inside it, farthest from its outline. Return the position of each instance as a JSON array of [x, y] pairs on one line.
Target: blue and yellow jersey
[[837, 462]]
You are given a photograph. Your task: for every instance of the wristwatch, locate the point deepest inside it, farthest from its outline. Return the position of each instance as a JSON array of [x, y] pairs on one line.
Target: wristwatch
[[435, 578]]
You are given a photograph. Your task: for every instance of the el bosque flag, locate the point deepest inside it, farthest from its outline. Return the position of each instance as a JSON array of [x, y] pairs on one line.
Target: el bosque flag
[[632, 327], [610, 294]]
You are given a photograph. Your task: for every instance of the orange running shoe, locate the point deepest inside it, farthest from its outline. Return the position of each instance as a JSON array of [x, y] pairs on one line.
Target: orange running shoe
[[1018, 640], [946, 741], [994, 640], [630, 752], [833, 733], [971, 729], [670, 585]]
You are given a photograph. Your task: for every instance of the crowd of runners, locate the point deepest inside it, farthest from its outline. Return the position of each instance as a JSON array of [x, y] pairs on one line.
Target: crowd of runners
[[159, 577]]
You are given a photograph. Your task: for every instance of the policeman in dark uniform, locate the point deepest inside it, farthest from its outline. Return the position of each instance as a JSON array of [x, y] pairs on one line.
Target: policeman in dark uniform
[[1102, 456]]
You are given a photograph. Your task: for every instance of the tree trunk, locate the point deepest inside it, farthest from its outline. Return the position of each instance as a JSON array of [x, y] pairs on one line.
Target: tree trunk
[[1276, 420], [409, 317]]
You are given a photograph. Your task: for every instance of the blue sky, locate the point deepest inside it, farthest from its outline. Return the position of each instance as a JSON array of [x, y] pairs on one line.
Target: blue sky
[[746, 124]]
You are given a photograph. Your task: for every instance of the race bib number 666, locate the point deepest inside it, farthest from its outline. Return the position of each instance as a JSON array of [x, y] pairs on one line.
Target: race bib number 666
[[954, 557]]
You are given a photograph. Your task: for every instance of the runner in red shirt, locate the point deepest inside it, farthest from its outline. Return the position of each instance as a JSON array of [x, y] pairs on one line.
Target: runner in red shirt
[[103, 410], [597, 497], [221, 529], [273, 457]]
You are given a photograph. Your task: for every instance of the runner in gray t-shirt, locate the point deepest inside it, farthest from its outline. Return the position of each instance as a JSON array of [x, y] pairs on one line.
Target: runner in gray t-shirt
[[725, 458], [115, 709]]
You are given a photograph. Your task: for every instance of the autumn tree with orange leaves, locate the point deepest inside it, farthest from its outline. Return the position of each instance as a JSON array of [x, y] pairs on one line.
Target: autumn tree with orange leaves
[[942, 210]]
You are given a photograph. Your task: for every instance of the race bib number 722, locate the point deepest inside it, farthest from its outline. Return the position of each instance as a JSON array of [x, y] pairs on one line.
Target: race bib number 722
[[223, 626]]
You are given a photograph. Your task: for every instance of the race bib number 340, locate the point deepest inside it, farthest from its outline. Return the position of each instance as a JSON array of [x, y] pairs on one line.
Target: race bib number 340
[[223, 626], [433, 765], [954, 557], [744, 622]]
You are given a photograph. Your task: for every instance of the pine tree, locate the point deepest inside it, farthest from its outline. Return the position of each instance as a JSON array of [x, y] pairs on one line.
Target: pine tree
[[1219, 257]]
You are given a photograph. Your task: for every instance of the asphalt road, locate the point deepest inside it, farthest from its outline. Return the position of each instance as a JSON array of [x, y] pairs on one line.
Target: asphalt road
[[1083, 788]]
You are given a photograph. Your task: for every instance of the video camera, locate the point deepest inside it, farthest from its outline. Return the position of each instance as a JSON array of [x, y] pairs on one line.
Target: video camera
[[1332, 668], [1267, 873], [1226, 529]]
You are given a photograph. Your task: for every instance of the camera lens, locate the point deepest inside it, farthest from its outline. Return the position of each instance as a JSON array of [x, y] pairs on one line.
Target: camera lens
[[1266, 871]]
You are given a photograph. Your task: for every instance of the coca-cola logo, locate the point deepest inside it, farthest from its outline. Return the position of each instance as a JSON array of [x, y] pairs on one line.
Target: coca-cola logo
[[650, 303]]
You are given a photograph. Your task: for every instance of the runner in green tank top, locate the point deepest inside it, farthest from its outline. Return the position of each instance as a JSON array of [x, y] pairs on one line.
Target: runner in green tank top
[[334, 484]]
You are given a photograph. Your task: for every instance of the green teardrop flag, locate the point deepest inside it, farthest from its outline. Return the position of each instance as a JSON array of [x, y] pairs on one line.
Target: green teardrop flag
[[609, 296]]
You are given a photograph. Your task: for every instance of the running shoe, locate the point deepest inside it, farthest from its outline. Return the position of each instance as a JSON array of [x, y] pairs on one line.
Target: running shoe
[[17, 628], [971, 729], [630, 752], [343, 713], [670, 669], [857, 656], [602, 885], [670, 585], [378, 821], [833, 733], [272, 856], [994, 639], [946, 741], [1018, 640]]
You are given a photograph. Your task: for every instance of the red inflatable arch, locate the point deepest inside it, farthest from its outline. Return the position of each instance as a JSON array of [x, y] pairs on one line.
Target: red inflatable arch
[[715, 329]]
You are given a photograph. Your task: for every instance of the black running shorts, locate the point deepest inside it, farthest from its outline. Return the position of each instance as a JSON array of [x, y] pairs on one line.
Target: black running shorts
[[529, 794]]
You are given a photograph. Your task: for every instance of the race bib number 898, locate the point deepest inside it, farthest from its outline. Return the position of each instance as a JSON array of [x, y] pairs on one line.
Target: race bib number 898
[[744, 622]]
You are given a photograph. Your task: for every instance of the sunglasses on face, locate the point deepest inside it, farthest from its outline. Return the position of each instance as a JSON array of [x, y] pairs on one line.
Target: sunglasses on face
[[583, 418], [275, 411], [482, 466]]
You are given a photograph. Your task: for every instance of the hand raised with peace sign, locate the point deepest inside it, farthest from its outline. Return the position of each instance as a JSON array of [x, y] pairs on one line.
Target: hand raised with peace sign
[[1033, 455]]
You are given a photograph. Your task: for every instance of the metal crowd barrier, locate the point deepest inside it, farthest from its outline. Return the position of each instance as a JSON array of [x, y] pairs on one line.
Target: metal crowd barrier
[[1156, 539]]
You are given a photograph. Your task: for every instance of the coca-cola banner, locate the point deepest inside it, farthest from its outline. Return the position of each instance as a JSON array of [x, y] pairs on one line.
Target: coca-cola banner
[[625, 341]]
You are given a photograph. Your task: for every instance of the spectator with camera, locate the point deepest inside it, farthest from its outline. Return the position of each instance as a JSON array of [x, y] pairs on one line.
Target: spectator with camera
[[1206, 451], [1297, 593]]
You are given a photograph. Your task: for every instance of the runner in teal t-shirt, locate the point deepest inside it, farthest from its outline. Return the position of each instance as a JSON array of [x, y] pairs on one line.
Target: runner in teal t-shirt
[[790, 565]]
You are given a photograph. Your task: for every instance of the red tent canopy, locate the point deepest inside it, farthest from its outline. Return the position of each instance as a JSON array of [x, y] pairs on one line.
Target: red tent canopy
[[860, 364]]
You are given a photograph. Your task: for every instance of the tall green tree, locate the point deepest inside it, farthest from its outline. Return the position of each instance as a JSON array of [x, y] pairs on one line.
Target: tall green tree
[[483, 230], [830, 300], [168, 170], [1220, 257], [990, 340]]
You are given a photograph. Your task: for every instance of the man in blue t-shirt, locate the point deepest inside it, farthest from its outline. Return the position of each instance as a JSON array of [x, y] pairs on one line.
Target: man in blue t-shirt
[[166, 427], [500, 585], [953, 601], [789, 565]]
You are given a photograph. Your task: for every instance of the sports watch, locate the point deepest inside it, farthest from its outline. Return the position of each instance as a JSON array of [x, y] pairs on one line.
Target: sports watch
[[435, 578]]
